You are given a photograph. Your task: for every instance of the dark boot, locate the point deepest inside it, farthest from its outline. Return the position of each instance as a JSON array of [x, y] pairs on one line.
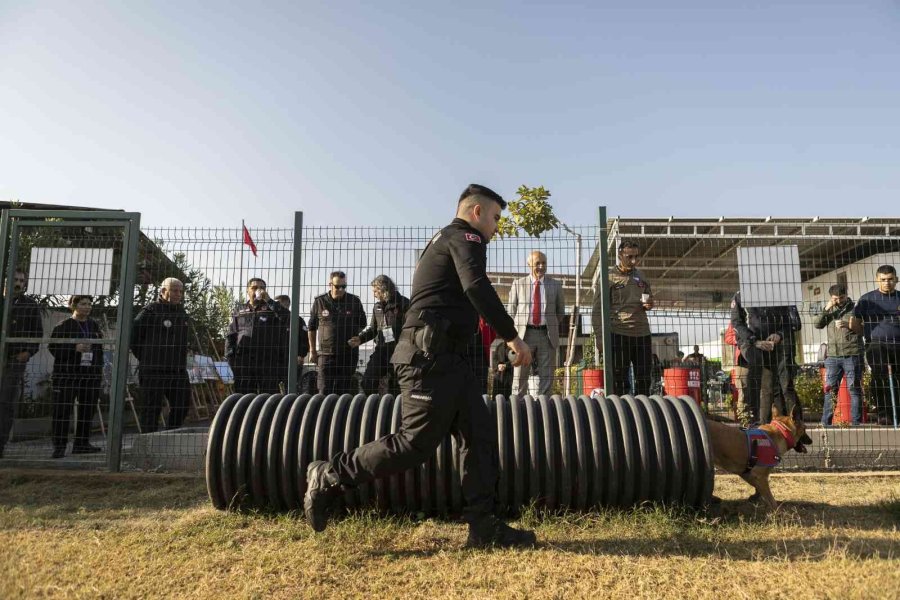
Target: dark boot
[[489, 531], [321, 487]]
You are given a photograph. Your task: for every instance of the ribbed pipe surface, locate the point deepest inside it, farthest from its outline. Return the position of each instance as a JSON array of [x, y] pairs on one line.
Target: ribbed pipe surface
[[560, 453]]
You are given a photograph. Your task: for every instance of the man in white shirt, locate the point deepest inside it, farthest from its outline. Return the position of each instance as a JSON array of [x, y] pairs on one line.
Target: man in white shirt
[[537, 305]]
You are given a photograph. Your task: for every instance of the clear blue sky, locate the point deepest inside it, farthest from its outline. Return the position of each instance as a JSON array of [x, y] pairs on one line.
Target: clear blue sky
[[380, 112]]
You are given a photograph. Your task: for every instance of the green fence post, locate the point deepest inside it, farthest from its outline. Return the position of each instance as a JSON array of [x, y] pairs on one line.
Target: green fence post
[[603, 283], [296, 332], [117, 390]]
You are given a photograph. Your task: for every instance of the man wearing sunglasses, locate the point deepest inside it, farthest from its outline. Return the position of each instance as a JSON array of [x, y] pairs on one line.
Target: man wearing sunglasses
[[339, 316]]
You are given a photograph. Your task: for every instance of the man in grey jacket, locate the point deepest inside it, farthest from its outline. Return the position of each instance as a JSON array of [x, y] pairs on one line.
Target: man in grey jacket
[[845, 348], [537, 306]]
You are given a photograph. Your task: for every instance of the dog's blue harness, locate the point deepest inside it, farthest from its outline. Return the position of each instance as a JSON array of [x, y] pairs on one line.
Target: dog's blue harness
[[761, 451]]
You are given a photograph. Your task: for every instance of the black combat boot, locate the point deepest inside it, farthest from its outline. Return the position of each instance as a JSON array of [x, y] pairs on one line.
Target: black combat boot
[[321, 487], [489, 531]]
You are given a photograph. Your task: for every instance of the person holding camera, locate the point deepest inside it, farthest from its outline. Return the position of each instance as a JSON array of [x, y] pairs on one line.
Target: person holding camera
[[77, 373]]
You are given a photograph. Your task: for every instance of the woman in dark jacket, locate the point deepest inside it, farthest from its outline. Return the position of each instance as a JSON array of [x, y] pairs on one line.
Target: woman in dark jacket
[[77, 372]]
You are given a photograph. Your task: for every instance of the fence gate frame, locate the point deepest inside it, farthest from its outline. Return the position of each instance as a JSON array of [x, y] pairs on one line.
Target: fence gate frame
[[10, 223]]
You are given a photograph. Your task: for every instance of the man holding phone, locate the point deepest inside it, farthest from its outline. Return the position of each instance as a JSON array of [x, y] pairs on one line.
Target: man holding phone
[[256, 345], [845, 348]]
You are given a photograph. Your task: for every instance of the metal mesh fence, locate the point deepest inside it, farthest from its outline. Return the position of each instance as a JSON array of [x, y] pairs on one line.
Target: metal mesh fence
[[750, 314], [61, 343], [676, 326]]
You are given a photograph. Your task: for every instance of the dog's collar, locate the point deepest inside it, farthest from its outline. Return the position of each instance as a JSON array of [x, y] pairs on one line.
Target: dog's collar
[[786, 433]]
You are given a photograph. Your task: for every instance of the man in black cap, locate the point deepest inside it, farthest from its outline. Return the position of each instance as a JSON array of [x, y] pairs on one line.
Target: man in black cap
[[25, 321], [440, 393]]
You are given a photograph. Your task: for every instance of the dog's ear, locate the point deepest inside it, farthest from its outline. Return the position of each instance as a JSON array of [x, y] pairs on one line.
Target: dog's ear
[[797, 412], [775, 411], [805, 439]]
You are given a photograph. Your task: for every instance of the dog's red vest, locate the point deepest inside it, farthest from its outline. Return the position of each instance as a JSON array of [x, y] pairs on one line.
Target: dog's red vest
[[761, 450]]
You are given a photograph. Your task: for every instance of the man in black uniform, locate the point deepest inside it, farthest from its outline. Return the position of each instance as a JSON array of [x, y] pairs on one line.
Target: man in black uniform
[[765, 335], [256, 345], [25, 321], [340, 316], [384, 328], [159, 340], [440, 394], [303, 341]]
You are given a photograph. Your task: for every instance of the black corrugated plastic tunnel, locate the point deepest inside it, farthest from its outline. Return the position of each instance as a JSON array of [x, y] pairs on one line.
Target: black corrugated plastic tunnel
[[559, 453]]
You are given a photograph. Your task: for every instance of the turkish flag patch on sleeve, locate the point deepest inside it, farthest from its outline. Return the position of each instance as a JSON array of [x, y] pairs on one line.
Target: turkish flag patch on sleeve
[[472, 237]]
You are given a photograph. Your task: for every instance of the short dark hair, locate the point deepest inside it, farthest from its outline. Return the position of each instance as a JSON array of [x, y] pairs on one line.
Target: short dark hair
[[838, 289], [625, 244], [20, 270], [474, 189], [281, 297], [259, 279], [338, 274], [886, 270], [74, 300]]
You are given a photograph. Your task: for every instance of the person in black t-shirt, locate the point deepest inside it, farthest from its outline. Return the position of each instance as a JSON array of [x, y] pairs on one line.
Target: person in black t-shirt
[[77, 372]]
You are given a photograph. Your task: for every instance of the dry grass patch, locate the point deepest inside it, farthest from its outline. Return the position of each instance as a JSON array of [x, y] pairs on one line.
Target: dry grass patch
[[66, 535]]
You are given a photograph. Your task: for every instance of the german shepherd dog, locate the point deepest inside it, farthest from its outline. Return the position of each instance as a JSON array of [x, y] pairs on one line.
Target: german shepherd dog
[[732, 449]]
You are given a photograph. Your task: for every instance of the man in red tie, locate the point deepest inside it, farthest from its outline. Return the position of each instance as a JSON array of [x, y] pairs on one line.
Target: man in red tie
[[537, 305]]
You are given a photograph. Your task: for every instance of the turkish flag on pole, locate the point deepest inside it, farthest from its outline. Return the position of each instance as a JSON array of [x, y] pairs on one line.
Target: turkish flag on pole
[[248, 240]]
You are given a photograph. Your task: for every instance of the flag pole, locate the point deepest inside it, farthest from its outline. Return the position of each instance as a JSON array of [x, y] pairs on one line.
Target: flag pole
[[241, 282]]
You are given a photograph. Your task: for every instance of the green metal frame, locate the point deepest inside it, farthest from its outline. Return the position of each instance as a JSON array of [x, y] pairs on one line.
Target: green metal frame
[[11, 221], [605, 300], [296, 332]]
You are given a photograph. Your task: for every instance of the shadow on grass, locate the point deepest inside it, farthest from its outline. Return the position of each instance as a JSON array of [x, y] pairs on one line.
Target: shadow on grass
[[63, 494]]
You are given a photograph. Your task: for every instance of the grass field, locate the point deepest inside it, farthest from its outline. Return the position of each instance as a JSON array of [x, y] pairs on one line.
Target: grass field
[[78, 535]]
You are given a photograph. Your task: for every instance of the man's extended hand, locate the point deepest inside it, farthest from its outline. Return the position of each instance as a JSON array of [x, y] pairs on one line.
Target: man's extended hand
[[523, 352], [774, 338], [314, 356], [354, 342], [765, 345]]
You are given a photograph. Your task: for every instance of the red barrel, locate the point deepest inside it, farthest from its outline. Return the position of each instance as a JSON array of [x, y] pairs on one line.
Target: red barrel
[[843, 406], [592, 379], [682, 381]]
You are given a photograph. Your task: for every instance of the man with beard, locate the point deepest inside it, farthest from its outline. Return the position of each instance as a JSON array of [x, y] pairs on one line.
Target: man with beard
[[24, 321]]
